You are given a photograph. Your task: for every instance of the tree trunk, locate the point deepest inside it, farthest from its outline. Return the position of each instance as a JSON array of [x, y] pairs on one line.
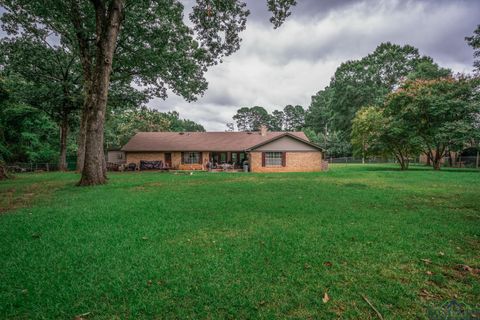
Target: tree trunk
[[478, 158], [401, 160], [437, 160], [62, 161], [94, 167], [3, 170], [81, 140]]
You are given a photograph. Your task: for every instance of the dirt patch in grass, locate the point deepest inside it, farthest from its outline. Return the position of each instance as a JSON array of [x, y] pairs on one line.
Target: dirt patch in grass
[[23, 196]]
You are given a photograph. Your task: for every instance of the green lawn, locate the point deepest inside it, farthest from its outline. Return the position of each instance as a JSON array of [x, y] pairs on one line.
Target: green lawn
[[215, 246]]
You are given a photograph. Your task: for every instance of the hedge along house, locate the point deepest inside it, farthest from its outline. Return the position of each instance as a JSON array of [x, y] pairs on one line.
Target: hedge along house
[[265, 151]]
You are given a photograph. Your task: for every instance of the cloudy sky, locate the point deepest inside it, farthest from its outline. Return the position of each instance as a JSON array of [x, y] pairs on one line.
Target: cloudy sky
[[274, 68]]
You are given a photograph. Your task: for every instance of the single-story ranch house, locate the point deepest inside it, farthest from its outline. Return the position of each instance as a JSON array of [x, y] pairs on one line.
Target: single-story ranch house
[[265, 151]]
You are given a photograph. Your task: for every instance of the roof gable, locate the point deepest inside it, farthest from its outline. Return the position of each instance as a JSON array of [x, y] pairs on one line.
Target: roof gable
[[286, 142]]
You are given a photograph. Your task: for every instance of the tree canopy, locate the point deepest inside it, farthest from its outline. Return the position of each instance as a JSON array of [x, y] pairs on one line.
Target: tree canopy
[[291, 118]]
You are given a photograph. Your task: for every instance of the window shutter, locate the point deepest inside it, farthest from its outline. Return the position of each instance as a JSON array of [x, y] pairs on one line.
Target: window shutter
[[200, 158], [284, 159], [183, 157], [263, 159]]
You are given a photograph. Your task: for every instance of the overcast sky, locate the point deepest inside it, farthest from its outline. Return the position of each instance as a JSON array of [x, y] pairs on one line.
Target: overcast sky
[[274, 68]]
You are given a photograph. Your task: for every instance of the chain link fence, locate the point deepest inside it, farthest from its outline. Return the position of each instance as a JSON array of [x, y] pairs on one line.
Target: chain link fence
[[471, 162], [19, 167]]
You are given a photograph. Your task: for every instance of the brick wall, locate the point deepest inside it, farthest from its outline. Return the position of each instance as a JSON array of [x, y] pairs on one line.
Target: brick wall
[[295, 162]]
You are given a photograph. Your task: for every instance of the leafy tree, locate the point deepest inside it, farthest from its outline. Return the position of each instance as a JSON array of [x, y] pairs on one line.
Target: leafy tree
[[291, 118], [366, 130], [27, 134], [230, 127], [474, 42], [294, 118], [242, 119], [123, 124], [441, 112], [53, 76], [332, 142], [251, 119], [142, 42], [277, 120], [319, 114], [366, 82], [428, 70], [369, 80]]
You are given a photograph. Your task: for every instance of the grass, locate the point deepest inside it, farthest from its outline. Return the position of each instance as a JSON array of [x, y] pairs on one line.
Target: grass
[[216, 246]]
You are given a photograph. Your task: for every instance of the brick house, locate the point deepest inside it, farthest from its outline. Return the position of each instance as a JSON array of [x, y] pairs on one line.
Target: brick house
[[265, 151]]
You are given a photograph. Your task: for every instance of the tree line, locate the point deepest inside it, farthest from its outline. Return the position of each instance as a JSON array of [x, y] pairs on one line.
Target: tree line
[[291, 118], [31, 129], [393, 102]]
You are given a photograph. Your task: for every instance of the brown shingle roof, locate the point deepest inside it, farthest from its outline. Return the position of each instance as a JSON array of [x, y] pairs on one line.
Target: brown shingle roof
[[201, 141]]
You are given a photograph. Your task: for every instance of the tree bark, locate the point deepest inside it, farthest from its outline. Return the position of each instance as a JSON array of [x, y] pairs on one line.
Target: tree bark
[[437, 160], [478, 157], [62, 161], [81, 139], [108, 27]]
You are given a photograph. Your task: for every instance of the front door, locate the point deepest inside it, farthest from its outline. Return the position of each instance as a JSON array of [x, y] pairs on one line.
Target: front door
[[168, 160]]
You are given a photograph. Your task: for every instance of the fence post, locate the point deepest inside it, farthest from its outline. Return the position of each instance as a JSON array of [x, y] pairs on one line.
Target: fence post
[[47, 167], [478, 157]]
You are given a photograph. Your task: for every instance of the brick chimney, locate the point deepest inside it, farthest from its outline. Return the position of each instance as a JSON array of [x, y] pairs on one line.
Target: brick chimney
[[263, 130]]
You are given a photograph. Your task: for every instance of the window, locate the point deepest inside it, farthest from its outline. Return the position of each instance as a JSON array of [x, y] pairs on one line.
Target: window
[[273, 159], [191, 157]]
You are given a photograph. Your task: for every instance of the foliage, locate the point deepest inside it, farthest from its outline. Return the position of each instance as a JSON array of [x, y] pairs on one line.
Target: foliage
[[280, 10], [294, 118], [333, 142], [366, 82], [366, 129], [251, 119], [291, 118], [369, 80], [53, 76], [27, 134], [113, 251], [474, 42], [124, 124], [319, 114], [441, 112]]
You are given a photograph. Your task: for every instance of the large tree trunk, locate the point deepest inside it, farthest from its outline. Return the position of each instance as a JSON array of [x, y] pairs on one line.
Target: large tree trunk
[[62, 161], [108, 27]]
